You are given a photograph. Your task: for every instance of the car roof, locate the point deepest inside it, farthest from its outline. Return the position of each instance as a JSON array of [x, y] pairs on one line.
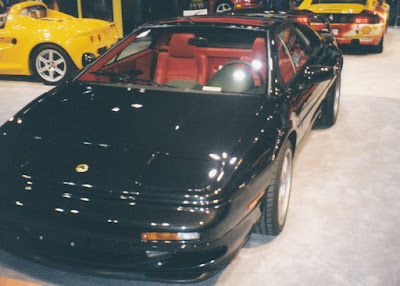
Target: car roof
[[257, 19]]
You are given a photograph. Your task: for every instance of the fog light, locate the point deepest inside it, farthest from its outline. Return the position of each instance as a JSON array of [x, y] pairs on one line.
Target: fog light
[[170, 236]]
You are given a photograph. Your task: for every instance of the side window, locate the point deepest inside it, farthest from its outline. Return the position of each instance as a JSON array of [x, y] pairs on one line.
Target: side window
[[306, 40], [292, 53], [295, 46], [286, 66]]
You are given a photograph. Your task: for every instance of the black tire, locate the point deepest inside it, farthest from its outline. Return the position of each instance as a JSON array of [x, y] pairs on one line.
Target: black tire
[[223, 6], [51, 64], [378, 49], [330, 108], [275, 206]]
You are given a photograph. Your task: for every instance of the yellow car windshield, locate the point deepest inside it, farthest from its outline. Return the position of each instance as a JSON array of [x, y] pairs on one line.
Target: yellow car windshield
[[36, 12]]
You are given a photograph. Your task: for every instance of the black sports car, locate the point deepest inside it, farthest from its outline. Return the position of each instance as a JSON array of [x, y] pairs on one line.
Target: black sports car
[[160, 158]]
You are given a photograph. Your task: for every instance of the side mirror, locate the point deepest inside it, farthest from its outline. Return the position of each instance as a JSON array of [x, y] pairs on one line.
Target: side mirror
[[319, 73], [328, 36]]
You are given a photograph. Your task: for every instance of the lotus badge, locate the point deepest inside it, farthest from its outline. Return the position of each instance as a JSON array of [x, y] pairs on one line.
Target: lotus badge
[[82, 168]]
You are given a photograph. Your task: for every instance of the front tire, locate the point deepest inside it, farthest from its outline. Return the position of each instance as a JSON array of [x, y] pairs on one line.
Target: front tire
[[275, 206], [51, 64], [223, 7]]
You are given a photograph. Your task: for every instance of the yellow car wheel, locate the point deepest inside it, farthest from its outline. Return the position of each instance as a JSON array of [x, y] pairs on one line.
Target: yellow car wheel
[[51, 64]]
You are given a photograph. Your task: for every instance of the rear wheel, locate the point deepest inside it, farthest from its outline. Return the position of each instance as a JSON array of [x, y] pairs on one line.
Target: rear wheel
[[276, 201], [223, 6], [51, 64], [378, 48]]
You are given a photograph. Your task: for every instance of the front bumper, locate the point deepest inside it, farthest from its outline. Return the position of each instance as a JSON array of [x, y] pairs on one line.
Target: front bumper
[[113, 255]]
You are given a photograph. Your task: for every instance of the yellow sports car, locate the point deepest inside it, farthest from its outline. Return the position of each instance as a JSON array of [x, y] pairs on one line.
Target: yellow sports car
[[50, 44], [353, 21]]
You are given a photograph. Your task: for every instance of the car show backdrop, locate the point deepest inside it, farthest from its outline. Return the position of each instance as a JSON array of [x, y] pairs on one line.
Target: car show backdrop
[[128, 14]]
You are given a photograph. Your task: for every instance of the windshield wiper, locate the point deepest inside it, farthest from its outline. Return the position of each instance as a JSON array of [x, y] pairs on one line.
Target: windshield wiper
[[126, 77]]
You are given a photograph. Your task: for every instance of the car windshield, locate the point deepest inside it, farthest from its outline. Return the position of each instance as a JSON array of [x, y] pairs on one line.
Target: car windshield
[[362, 2], [36, 12], [3, 18], [209, 59]]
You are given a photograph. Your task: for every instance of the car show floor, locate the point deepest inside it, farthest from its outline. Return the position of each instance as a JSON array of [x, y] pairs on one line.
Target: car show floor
[[343, 225]]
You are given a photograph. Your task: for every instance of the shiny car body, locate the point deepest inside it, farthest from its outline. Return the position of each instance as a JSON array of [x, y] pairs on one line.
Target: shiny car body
[[354, 21], [159, 159], [50, 44]]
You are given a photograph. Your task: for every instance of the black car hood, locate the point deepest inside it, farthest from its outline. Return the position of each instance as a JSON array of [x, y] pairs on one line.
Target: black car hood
[[128, 137]]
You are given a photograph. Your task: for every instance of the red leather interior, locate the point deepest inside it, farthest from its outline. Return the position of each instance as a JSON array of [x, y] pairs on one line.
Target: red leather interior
[[180, 62], [218, 57], [141, 61], [285, 64], [179, 46], [258, 53]]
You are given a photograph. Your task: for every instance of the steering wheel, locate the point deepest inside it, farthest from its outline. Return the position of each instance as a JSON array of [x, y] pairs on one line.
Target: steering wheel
[[247, 65]]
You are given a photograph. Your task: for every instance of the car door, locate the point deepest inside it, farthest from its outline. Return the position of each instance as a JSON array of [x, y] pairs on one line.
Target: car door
[[294, 56], [15, 41], [9, 51], [6, 42]]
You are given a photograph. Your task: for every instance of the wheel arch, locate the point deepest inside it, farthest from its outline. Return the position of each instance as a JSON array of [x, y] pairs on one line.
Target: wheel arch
[[286, 134], [293, 139]]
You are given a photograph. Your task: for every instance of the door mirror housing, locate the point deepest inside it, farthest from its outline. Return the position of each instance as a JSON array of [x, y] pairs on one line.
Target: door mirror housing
[[318, 73], [328, 36]]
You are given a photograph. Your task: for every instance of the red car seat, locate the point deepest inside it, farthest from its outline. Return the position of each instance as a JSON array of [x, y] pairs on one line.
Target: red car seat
[[258, 53], [180, 63]]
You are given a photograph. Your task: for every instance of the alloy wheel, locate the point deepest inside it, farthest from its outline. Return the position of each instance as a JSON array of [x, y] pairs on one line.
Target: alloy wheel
[[284, 186], [223, 7], [51, 65], [336, 99]]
